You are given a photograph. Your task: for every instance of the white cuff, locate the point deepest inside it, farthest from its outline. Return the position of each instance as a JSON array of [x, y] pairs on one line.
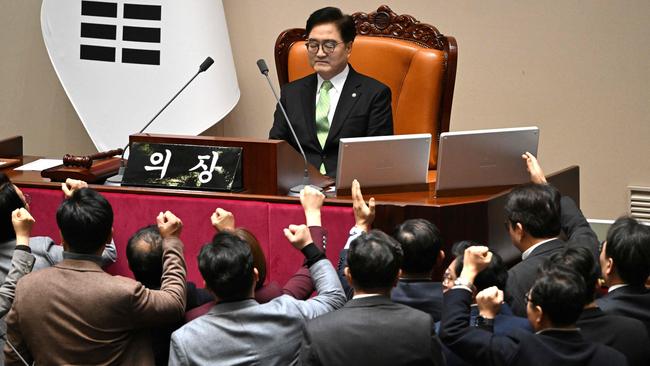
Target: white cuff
[[354, 233]]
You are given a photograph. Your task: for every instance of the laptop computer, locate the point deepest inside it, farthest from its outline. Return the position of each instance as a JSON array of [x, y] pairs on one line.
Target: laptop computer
[[382, 161], [484, 158]]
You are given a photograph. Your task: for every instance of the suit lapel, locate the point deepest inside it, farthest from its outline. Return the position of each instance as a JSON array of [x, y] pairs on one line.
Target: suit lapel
[[309, 105], [345, 105]]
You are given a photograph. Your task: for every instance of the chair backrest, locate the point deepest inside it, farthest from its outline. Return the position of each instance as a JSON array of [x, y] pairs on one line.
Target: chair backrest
[[413, 59]]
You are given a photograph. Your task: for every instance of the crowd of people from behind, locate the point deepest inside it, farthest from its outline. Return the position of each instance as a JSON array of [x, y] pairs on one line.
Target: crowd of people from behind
[[379, 306]]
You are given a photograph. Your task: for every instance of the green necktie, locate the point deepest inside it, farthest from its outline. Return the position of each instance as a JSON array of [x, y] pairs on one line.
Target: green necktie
[[322, 110]]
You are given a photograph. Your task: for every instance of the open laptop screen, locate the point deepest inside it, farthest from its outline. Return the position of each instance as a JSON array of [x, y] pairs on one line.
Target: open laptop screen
[[484, 158], [381, 161]]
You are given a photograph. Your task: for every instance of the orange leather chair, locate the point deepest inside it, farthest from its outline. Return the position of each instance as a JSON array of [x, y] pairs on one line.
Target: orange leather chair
[[413, 59]]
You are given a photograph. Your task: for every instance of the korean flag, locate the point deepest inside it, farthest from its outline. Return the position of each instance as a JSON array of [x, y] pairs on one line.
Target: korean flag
[[120, 61]]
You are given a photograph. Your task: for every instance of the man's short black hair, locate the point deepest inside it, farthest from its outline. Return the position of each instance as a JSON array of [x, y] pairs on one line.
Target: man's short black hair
[[495, 274], [85, 220], [421, 242], [344, 23], [374, 260], [578, 259], [144, 254], [9, 201], [537, 208], [226, 265], [628, 244], [560, 293]]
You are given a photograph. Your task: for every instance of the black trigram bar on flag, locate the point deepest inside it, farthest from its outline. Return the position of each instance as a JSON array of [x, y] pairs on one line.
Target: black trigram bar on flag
[[99, 9], [101, 31], [97, 53], [141, 34], [146, 57], [143, 12], [131, 55]]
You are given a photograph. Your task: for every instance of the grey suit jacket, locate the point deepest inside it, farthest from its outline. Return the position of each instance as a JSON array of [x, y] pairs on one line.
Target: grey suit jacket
[[247, 333], [46, 253], [21, 264]]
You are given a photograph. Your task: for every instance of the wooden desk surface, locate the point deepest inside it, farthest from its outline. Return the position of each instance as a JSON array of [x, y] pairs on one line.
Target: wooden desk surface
[[424, 198], [476, 217]]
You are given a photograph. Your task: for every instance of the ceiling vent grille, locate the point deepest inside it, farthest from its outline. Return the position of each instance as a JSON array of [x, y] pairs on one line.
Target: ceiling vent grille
[[639, 199]]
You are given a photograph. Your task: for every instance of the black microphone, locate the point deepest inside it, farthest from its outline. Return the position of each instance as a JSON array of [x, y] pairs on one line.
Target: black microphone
[[294, 191], [117, 179], [261, 64], [206, 64]]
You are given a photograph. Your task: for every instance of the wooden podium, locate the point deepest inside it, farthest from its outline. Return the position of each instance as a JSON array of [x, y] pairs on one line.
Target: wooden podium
[[269, 167]]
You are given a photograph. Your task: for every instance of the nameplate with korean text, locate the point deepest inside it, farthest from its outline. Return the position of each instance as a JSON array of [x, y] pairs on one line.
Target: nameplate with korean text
[[213, 168]]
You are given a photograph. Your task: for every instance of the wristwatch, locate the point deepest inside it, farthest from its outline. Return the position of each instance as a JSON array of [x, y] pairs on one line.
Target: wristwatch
[[465, 283]]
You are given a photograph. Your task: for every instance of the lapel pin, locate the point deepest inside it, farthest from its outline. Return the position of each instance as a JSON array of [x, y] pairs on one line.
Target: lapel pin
[[354, 95]]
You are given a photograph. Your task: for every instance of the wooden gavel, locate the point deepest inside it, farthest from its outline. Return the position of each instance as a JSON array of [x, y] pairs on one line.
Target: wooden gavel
[[87, 161]]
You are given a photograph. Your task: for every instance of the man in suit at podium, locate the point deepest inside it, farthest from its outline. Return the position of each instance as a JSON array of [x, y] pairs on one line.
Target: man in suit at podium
[[335, 101]]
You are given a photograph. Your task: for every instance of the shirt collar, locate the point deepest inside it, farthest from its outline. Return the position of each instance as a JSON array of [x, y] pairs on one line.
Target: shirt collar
[[364, 295], [614, 287], [337, 81], [528, 251]]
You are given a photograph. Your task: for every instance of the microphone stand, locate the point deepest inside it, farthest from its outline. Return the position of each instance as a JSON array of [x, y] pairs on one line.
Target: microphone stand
[[117, 179], [293, 191]]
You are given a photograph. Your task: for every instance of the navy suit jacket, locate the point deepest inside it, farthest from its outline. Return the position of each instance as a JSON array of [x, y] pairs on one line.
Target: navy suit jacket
[[363, 109], [549, 347], [630, 301], [623, 334], [522, 276], [420, 294]]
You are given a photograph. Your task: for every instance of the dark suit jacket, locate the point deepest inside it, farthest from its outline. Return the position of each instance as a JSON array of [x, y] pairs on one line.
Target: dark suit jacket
[[522, 276], [363, 109], [75, 313], [550, 347], [371, 331], [505, 323], [630, 301], [623, 334], [420, 294]]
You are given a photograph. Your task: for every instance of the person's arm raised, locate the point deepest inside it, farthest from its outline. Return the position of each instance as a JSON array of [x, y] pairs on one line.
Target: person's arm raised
[[167, 304], [330, 294]]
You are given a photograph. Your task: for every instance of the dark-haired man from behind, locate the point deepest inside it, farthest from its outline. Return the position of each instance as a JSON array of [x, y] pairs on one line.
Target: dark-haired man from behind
[[554, 304], [421, 242], [240, 331], [75, 313], [625, 265], [624, 334], [536, 214], [335, 101], [371, 329]]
